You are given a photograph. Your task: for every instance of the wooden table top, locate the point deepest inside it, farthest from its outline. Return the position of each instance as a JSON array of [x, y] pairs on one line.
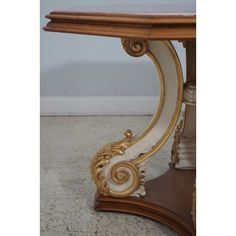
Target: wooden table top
[[146, 21]]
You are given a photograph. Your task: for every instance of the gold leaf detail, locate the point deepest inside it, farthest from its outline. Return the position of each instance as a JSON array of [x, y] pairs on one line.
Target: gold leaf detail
[[135, 47], [120, 173]]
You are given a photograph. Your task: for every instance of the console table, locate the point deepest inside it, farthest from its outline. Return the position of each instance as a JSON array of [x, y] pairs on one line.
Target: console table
[[118, 168]]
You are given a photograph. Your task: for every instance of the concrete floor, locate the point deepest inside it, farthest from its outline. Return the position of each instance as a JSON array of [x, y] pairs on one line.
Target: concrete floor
[[67, 191]]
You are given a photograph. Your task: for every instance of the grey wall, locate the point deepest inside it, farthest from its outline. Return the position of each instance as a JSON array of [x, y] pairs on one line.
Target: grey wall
[[80, 65]]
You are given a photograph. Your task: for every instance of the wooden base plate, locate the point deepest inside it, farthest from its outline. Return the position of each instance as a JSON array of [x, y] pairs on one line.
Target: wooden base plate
[[168, 200]]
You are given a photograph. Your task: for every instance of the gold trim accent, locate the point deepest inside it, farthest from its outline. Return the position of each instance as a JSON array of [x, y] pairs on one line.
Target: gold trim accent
[[129, 47], [122, 171], [175, 117], [135, 47]]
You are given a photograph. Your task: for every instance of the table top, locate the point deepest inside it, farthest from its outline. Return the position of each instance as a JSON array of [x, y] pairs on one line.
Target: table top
[[147, 21]]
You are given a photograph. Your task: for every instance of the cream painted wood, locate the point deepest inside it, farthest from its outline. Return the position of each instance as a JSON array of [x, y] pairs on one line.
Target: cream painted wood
[[184, 147], [173, 82]]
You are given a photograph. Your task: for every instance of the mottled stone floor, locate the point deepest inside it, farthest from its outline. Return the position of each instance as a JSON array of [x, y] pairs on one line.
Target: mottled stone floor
[[67, 191]]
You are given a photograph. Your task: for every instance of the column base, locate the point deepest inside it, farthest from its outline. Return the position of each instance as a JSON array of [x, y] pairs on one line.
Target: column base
[[168, 200]]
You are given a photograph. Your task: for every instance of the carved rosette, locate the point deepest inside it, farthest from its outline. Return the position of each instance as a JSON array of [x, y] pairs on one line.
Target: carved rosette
[[121, 173]]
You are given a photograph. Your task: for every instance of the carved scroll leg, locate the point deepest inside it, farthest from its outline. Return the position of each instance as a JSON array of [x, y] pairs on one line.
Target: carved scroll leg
[[117, 168], [184, 146]]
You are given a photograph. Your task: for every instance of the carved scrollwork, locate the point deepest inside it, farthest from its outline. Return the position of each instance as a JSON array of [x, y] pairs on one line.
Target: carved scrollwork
[[118, 168], [121, 173], [135, 47]]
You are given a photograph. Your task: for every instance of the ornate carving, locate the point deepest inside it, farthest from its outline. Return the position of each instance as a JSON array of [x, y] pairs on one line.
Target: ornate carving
[[190, 93], [183, 153], [135, 47], [120, 173], [174, 153], [118, 168]]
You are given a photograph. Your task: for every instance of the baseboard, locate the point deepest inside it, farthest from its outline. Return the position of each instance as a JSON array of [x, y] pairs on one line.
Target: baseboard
[[110, 105]]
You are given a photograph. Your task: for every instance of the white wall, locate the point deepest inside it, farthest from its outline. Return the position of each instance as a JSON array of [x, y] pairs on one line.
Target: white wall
[[83, 66]]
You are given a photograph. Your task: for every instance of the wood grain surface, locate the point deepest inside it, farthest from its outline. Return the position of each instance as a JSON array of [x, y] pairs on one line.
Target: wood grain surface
[[156, 21], [168, 200]]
